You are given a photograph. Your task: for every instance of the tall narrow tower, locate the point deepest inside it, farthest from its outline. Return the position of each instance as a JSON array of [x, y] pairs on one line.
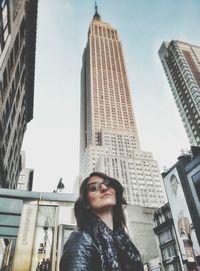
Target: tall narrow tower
[[181, 62], [109, 138]]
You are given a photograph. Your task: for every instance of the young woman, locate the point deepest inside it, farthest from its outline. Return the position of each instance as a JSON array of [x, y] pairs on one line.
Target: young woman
[[100, 242]]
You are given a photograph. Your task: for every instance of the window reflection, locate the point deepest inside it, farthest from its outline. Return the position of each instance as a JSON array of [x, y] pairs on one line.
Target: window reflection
[[43, 248]]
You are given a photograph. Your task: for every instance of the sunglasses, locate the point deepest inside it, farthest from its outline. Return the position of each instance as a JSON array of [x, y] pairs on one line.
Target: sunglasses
[[97, 186]]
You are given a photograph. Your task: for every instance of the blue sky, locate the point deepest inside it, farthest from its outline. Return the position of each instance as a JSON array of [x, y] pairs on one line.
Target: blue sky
[[52, 137]]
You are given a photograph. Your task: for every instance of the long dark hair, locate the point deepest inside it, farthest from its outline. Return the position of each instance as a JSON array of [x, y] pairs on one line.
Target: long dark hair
[[83, 212]]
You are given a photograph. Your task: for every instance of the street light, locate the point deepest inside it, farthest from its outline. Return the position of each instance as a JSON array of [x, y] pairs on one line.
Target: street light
[[60, 186]]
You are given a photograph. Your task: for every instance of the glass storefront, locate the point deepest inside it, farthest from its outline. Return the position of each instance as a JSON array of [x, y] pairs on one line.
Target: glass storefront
[[40, 224], [44, 238]]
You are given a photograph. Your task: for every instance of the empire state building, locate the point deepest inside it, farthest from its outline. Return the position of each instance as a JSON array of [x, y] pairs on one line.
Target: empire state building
[[109, 139]]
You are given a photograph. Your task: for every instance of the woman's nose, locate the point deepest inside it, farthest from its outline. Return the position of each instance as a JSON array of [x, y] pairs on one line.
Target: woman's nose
[[104, 187]]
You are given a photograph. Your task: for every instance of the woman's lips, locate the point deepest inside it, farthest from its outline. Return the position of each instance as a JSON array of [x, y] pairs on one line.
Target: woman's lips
[[106, 195]]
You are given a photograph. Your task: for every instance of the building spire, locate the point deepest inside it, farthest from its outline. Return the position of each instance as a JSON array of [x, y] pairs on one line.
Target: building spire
[[96, 15]]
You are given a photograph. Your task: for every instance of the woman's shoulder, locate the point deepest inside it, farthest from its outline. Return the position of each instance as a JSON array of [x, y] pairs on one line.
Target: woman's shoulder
[[79, 238], [79, 252], [80, 234]]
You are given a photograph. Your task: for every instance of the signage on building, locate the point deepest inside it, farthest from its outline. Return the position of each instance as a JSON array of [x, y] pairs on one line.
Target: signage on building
[[182, 220], [2, 249], [25, 240]]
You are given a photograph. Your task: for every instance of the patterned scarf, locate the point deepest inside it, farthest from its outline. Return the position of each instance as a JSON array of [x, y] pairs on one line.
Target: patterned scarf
[[117, 251]]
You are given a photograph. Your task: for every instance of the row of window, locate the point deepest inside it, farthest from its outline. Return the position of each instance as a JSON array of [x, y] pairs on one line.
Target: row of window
[[13, 122], [104, 31], [11, 104], [4, 24]]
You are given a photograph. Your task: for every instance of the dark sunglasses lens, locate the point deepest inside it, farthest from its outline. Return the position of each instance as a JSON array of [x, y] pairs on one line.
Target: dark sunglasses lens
[[107, 183], [93, 187]]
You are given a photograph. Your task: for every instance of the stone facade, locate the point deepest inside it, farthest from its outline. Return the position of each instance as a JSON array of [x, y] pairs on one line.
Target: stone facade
[[140, 225]]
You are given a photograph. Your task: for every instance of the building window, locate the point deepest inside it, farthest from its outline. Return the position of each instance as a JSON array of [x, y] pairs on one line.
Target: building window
[[4, 24], [165, 236], [196, 181], [168, 252], [174, 266]]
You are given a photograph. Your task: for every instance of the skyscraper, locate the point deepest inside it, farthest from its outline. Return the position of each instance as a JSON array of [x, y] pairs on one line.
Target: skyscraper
[[17, 62], [109, 137], [25, 181], [181, 62]]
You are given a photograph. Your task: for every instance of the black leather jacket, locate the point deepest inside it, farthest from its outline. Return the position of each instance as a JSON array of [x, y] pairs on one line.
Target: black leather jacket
[[81, 254]]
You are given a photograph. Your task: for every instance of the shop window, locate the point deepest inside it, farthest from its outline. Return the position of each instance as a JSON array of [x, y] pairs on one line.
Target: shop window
[[43, 247]]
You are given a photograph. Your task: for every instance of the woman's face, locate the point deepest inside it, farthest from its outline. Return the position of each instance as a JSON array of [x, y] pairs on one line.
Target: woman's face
[[100, 194]]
